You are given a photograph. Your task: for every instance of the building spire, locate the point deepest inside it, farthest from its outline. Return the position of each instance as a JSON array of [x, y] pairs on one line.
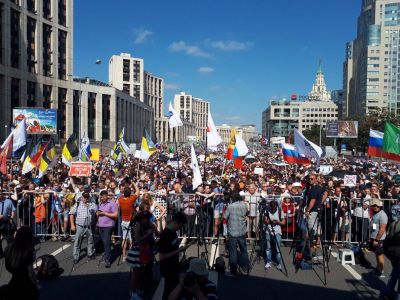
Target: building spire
[[319, 91], [319, 71]]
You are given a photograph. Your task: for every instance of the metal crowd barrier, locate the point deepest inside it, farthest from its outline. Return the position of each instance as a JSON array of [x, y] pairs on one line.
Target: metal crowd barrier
[[341, 220]]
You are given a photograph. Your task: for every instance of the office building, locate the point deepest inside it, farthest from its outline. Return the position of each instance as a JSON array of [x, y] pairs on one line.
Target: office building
[[371, 70], [36, 70], [337, 96], [247, 132], [282, 116]]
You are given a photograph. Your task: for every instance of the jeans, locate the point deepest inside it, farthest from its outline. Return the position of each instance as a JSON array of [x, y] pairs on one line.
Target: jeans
[[105, 235], [271, 246], [40, 228], [80, 231], [189, 226], [234, 259], [393, 280]]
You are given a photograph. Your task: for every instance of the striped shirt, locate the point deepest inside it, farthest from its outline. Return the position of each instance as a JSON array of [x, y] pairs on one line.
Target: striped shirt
[[236, 214], [85, 214]]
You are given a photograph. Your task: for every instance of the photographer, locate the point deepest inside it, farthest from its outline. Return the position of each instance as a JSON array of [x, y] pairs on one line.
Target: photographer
[[195, 284], [7, 211], [273, 218]]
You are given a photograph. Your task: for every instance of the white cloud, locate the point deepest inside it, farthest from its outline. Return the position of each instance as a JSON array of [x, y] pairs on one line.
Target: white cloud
[[232, 118], [205, 70], [182, 46], [142, 35], [231, 45], [172, 86]]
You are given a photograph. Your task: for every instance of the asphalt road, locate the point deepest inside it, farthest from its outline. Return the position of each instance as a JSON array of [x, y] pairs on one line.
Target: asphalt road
[[91, 280]]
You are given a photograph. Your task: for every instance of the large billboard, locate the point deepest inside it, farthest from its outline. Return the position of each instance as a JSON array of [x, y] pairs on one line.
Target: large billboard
[[342, 129], [38, 120]]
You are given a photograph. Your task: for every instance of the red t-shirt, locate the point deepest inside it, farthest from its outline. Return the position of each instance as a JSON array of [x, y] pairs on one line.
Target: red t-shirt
[[127, 206], [288, 210]]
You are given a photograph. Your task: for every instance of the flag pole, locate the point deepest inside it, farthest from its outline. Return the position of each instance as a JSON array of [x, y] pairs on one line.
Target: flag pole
[[205, 158], [176, 148]]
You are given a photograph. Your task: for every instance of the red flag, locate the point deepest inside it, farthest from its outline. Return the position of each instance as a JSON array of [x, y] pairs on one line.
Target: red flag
[[4, 154], [238, 163]]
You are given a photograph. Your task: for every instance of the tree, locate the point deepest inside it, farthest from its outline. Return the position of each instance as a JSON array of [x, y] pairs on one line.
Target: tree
[[312, 134]]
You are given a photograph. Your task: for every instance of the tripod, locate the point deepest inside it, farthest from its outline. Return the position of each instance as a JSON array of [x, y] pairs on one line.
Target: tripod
[[256, 254], [271, 230]]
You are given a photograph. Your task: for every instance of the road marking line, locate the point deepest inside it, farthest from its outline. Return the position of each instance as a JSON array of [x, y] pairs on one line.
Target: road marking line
[[348, 268], [160, 290], [39, 263]]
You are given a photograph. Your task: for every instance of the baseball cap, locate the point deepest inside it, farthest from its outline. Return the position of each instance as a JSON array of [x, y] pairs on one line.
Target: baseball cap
[[377, 202], [86, 188]]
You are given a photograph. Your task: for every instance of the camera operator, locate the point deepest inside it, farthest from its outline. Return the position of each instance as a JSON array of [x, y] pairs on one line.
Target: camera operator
[[7, 211], [195, 284], [315, 196], [236, 214], [273, 233]]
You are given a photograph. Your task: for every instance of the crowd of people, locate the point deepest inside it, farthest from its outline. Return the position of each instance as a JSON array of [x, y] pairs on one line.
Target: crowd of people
[[146, 206]]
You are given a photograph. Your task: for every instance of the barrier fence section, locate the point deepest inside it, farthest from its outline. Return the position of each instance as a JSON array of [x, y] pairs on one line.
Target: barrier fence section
[[340, 220]]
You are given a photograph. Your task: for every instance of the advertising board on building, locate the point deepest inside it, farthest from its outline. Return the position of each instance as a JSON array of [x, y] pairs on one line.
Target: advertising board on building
[[342, 129], [38, 120]]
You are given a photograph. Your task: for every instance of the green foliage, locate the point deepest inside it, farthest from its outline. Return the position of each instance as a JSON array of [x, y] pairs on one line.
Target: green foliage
[[375, 120]]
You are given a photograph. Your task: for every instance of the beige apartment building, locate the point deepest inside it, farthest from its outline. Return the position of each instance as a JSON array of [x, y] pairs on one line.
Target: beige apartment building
[[247, 132], [193, 110]]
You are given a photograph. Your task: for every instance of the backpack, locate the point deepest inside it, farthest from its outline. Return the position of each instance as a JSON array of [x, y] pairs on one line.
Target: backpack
[[49, 267], [391, 244]]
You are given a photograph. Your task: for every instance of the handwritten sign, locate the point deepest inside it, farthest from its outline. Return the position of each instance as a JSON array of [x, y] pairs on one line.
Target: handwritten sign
[[82, 169], [259, 171], [350, 180]]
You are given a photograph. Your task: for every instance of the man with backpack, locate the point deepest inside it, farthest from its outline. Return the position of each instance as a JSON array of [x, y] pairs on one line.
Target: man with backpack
[[82, 218], [273, 218]]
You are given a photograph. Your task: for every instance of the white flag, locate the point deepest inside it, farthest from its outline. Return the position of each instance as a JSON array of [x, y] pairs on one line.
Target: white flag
[[197, 180], [306, 147], [240, 147], [84, 151], [173, 117], [213, 138], [19, 133]]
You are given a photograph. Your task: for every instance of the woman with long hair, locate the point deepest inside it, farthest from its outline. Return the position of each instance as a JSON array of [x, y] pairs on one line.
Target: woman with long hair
[[19, 262]]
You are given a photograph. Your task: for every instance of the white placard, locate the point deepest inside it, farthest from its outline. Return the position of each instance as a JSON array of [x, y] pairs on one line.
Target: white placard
[[350, 180], [259, 171], [137, 154], [325, 169]]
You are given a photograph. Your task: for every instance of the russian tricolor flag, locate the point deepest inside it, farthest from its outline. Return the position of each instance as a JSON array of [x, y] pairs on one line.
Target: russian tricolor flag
[[375, 146], [292, 156]]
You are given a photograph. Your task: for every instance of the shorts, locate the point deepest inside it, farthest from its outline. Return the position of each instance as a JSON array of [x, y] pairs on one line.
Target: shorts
[[378, 250], [313, 224], [126, 235], [219, 207]]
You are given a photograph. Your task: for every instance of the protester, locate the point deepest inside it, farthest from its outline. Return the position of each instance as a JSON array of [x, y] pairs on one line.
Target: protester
[[126, 203], [7, 212], [106, 216], [19, 262], [169, 253]]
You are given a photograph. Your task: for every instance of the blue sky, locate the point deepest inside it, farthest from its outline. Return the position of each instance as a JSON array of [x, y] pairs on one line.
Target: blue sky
[[235, 54]]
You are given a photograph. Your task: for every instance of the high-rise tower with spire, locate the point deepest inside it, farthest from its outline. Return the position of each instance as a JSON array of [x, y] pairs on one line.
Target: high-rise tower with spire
[[319, 91]]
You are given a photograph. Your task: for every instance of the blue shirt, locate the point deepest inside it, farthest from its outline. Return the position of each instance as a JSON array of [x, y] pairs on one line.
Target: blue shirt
[[6, 208]]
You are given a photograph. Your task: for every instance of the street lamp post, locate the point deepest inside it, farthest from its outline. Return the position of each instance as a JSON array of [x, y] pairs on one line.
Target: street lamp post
[[6, 131]]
